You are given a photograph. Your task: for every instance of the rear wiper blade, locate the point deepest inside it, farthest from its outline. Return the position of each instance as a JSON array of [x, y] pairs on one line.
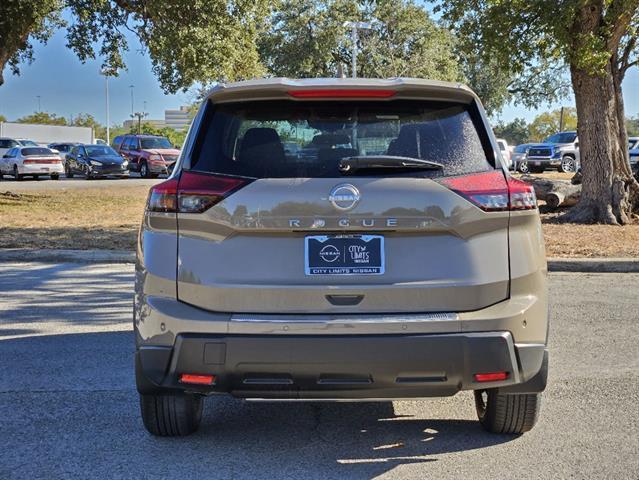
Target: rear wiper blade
[[362, 162]]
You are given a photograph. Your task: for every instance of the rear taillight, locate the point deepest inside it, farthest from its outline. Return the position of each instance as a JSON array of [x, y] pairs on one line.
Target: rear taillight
[[522, 195], [192, 193], [491, 192], [163, 197], [41, 161]]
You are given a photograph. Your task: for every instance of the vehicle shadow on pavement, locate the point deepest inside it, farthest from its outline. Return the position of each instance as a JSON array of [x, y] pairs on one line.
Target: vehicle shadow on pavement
[[71, 397], [353, 440]]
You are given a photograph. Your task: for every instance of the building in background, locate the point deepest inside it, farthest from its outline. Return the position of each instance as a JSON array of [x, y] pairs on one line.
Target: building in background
[[177, 119], [154, 123]]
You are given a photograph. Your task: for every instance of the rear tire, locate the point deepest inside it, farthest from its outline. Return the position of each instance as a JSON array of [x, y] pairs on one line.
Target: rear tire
[[501, 413], [55, 176], [144, 170], [171, 415]]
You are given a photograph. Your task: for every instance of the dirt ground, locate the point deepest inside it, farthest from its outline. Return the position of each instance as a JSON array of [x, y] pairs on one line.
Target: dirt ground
[[108, 218]]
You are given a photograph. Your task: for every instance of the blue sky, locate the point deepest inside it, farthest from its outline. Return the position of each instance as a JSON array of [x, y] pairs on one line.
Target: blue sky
[[68, 87]]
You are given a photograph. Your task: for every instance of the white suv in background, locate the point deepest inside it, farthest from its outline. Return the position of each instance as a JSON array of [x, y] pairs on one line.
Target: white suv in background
[[505, 152]]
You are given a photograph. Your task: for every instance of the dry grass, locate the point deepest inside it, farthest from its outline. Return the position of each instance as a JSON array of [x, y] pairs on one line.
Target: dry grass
[[108, 218], [74, 218]]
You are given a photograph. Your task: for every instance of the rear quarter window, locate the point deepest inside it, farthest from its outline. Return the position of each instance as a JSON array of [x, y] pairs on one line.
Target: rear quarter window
[[284, 138]]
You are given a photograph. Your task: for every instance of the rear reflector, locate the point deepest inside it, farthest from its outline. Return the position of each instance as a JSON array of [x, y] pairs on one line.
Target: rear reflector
[[342, 93], [491, 377], [192, 193], [491, 192], [197, 379]]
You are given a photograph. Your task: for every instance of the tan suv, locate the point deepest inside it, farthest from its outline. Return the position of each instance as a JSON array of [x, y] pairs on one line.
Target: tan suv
[[388, 255]]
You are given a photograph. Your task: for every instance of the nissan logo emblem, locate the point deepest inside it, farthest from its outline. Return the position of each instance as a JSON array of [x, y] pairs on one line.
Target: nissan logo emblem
[[344, 197]]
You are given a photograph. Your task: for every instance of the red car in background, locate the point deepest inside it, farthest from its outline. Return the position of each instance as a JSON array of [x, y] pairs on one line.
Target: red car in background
[[150, 155]]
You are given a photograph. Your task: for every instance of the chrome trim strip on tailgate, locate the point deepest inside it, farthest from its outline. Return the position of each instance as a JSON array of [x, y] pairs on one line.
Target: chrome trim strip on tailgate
[[340, 324]]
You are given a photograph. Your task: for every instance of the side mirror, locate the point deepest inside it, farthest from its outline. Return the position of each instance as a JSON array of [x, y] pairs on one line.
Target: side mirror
[[5, 156], [576, 144]]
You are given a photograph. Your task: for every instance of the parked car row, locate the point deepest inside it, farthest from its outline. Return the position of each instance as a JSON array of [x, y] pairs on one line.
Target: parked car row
[[559, 151], [147, 154]]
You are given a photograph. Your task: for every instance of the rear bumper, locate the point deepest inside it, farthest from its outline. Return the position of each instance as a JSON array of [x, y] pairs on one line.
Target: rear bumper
[[342, 366], [44, 169]]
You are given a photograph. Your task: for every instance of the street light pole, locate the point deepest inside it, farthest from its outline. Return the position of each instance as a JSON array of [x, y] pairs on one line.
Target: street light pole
[[132, 87], [108, 122], [108, 73], [39, 105], [355, 27]]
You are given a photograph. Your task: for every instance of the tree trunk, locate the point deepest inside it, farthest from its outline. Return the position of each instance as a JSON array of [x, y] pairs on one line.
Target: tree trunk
[[609, 190], [556, 193]]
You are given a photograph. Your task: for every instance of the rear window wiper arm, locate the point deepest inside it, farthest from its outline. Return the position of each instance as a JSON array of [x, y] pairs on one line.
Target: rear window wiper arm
[[362, 162]]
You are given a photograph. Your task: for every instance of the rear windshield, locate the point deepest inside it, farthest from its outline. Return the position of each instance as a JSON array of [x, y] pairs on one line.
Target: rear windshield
[[99, 150], [27, 152], [155, 143], [284, 139]]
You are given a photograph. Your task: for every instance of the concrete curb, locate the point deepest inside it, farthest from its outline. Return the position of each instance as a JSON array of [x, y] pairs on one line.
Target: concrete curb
[[592, 265], [66, 256]]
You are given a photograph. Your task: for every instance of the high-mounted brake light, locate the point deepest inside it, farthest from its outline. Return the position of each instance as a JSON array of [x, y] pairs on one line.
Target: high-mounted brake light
[[342, 93], [192, 193], [491, 377], [491, 192]]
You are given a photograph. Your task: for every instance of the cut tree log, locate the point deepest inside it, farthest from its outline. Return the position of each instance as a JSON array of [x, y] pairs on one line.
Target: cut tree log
[[556, 193]]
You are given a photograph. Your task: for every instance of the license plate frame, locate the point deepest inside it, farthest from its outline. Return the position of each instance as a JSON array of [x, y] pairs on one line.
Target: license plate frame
[[333, 255]]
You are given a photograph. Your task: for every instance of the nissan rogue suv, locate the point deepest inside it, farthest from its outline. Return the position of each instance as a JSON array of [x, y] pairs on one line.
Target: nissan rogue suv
[[394, 258]]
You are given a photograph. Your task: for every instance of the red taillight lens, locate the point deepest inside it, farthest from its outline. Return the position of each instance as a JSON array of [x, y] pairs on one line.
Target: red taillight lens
[[197, 379], [342, 93], [522, 195], [491, 377], [163, 197], [198, 192], [192, 193], [41, 161], [491, 192]]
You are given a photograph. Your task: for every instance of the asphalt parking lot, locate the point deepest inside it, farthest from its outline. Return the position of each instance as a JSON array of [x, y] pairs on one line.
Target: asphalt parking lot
[[68, 407]]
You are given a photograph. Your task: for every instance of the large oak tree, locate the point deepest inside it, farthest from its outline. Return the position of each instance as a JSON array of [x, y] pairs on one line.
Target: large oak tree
[[596, 41], [187, 40]]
